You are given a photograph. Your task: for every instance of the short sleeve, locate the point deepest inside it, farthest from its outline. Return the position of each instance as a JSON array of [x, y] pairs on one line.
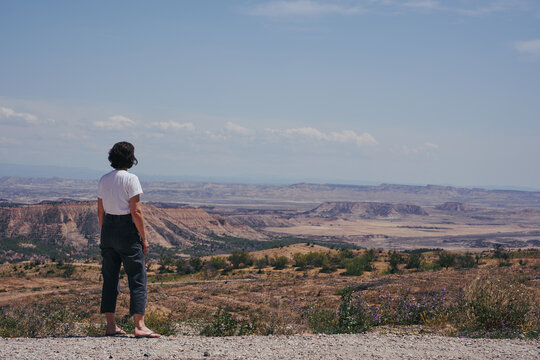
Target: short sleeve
[[134, 186], [100, 189]]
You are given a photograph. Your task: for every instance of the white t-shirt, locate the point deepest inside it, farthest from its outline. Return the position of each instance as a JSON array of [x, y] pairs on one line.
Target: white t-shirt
[[116, 188]]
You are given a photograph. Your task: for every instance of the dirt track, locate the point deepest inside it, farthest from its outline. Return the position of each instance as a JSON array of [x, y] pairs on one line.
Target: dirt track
[[362, 346]]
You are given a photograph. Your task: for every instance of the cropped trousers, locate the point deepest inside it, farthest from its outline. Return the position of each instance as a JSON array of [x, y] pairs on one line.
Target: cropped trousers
[[120, 244]]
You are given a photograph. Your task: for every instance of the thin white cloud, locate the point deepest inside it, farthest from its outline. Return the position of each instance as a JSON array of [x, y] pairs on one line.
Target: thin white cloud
[[423, 4], [173, 125], [116, 122], [431, 145], [10, 116], [235, 128], [435, 5], [72, 137], [317, 8], [7, 141], [345, 136], [214, 136], [303, 8], [529, 48]]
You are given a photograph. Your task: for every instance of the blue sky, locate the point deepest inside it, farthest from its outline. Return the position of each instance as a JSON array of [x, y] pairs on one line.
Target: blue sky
[[356, 91]]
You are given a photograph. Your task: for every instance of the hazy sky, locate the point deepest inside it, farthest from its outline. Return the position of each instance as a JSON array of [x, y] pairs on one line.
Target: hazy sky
[[401, 91]]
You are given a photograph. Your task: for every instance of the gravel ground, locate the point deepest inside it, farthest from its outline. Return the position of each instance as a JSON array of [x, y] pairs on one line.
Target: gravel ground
[[361, 346]]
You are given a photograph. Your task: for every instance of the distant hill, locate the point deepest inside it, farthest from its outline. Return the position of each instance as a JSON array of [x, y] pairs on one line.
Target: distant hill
[[451, 206], [297, 196], [364, 210], [73, 226]]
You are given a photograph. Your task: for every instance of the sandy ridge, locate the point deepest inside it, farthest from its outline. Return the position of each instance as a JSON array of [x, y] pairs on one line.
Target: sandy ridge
[[357, 346]]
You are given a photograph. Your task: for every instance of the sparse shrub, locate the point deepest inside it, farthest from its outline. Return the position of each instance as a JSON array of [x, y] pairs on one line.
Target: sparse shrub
[[427, 266], [328, 268], [321, 320], [394, 261], [40, 320], [317, 259], [183, 267], [218, 262], [300, 261], [196, 263], [355, 266], [351, 317], [345, 254], [500, 253], [240, 259], [224, 324], [314, 259], [165, 262], [69, 270], [465, 261], [262, 262], [160, 322], [414, 260], [446, 259], [370, 255], [407, 309], [279, 262], [499, 307]]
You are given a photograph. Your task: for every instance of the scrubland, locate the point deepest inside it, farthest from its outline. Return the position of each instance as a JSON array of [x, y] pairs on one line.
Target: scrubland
[[297, 289]]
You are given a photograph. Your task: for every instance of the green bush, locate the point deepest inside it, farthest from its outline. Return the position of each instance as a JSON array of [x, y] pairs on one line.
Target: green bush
[[196, 263], [261, 263], [69, 270], [218, 262], [40, 320], [351, 316], [165, 262], [499, 306], [446, 259], [279, 262], [314, 259], [465, 261], [183, 267], [394, 261], [240, 259], [224, 324], [355, 266], [300, 261], [414, 260]]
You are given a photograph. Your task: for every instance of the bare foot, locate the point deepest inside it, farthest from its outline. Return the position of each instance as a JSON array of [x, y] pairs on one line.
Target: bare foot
[[145, 332], [114, 330]]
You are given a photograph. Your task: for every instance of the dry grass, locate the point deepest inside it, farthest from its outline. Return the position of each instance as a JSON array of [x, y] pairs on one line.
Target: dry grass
[[275, 298]]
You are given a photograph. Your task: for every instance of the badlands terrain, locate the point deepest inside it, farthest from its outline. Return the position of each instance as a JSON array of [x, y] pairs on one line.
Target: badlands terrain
[[57, 215], [307, 247]]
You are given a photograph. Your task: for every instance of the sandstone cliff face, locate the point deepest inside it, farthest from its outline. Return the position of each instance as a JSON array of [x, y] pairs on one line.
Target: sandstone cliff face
[[364, 210], [76, 224], [59, 224], [259, 221], [451, 206]]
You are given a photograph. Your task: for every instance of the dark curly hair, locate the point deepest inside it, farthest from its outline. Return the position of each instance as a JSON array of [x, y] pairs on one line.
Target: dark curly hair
[[122, 155]]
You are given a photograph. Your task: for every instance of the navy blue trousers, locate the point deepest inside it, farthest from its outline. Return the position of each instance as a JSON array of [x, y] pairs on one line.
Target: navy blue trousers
[[120, 244]]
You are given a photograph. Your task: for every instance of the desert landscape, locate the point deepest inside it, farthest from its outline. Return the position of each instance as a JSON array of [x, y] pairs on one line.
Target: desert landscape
[[321, 179], [230, 268], [203, 219]]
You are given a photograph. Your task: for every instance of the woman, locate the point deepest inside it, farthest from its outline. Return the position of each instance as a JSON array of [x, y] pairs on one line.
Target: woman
[[123, 239]]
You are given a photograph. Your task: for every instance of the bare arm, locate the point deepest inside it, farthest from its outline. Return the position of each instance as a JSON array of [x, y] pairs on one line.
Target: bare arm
[[100, 211], [138, 220]]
